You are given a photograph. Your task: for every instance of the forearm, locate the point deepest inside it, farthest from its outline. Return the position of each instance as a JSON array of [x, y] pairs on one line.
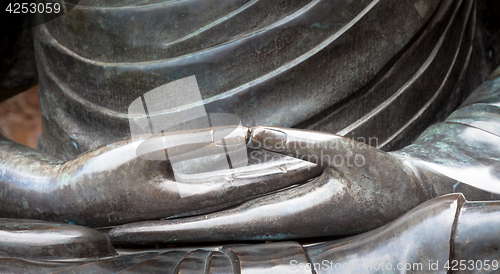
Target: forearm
[[464, 149]]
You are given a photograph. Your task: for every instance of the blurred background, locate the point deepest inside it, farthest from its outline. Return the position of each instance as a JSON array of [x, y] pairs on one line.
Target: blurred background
[[20, 117]]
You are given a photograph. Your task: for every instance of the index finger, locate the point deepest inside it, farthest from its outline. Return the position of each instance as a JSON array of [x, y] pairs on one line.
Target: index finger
[[190, 144]]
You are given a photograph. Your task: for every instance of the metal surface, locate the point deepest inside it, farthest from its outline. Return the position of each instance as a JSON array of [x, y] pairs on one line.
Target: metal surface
[[40, 240], [378, 186], [291, 64], [281, 63], [322, 207], [441, 230], [112, 185]]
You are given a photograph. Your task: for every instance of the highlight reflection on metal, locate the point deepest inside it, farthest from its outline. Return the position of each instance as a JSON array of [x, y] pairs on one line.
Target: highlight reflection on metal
[[112, 185], [46, 241], [384, 68], [418, 237]]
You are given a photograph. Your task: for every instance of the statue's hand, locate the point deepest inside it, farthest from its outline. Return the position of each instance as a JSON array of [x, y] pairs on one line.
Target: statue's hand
[[116, 184], [361, 188]]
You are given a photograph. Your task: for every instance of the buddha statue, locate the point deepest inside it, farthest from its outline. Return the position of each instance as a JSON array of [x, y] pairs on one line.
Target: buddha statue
[[333, 97]]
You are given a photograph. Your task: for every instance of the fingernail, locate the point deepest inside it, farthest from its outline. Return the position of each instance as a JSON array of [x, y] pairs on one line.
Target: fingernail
[[268, 138]]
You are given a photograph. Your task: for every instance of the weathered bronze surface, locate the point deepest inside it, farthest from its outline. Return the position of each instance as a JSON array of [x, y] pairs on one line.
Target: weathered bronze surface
[[278, 63], [46, 241], [422, 240], [378, 186], [382, 68], [112, 185], [441, 230]]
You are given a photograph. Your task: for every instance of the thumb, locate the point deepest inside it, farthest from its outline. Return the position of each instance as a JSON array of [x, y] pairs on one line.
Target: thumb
[[317, 147]]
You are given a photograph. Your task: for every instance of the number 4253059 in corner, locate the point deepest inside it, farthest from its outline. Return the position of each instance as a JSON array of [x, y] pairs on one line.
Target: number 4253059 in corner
[[33, 8]]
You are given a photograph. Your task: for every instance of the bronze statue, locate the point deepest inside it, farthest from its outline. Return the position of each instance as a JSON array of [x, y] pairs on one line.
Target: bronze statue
[[367, 70], [423, 233]]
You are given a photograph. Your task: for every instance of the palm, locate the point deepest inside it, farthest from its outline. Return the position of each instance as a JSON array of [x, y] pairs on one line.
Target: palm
[[360, 188]]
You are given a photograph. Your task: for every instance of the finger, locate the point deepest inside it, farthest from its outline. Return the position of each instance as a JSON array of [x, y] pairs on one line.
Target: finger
[[111, 185], [46, 241], [282, 215], [322, 207], [317, 147], [183, 145]]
